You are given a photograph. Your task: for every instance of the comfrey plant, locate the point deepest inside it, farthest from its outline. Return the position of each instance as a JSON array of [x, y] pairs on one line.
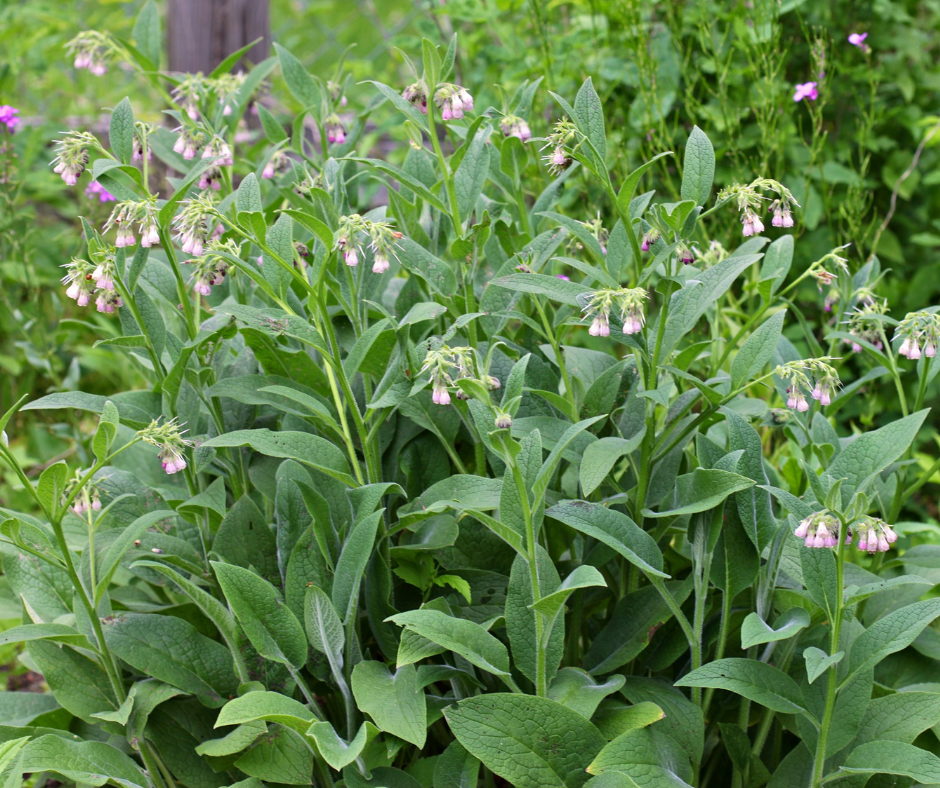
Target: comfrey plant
[[468, 485]]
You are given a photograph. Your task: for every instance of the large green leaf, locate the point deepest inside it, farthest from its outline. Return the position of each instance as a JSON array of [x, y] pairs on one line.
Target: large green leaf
[[756, 681], [308, 449], [89, 762], [614, 529], [393, 700], [892, 757], [698, 168], [271, 627], [267, 706], [895, 631], [459, 635], [530, 741], [171, 650], [703, 489], [647, 757]]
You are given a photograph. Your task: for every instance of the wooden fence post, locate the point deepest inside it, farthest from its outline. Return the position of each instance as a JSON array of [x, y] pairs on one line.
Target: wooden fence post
[[202, 33]]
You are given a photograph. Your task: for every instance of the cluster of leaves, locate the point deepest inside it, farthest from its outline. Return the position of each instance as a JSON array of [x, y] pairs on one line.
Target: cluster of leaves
[[420, 529]]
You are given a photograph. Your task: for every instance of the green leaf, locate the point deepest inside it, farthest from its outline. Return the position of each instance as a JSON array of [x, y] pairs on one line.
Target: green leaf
[[581, 577], [646, 757], [279, 240], [521, 620], [541, 284], [393, 701], [273, 130], [698, 170], [757, 350], [628, 189], [60, 633], [776, 266], [51, 486], [613, 719], [308, 449], [243, 736], [171, 650], [280, 756], [818, 662], [112, 558], [867, 590], [18, 709], [578, 690], [471, 172], [89, 762], [324, 629], [892, 757], [590, 116], [79, 685], [891, 633], [352, 564], [271, 627], [148, 37], [902, 716], [459, 635], [614, 529], [456, 768], [419, 261], [301, 85], [683, 720], [107, 428], [336, 752], [703, 489], [267, 706], [600, 457], [869, 454], [530, 741], [756, 681], [122, 131], [244, 539], [754, 631]]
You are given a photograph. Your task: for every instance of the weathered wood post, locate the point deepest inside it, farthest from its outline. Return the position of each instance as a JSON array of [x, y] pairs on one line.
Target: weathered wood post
[[201, 33]]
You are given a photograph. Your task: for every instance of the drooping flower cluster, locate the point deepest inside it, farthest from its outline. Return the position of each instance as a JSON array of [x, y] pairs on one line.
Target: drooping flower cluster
[[278, 162], [453, 100], [168, 437], [211, 266], [513, 126], [382, 239], [190, 92], [865, 324], [217, 149], [188, 142], [88, 500], [711, 256], [84, 280], [650, 237], [919, 333], [335, 129], [749, 200], [193, 221], [820, 529], [92, 50], [875, 535], [447, 365], [561, 142], [8, 118], [800, 376], [141, 148], [130, 212], [72, 156], [226, 88], [416, 94], [95, 189], [630, 301]]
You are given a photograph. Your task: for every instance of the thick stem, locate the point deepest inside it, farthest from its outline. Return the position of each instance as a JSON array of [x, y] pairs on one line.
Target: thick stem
[[833, 674]]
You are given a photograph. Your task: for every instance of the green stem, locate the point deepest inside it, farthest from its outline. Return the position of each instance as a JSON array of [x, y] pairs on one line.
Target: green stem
[[686, 628], [541, 673], [445, 170], [559, 357], [833, 673]]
